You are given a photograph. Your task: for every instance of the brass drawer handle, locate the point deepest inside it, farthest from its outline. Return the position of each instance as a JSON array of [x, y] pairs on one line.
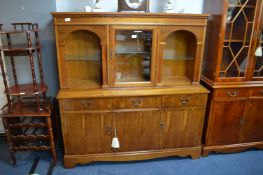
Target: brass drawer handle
[[136, 102], [82, 103], [86, 103], [89, 103], [232, 94], [184, 100]]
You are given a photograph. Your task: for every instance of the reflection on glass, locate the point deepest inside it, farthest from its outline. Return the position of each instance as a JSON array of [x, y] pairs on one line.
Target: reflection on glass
[[258, 72], [133, 54]]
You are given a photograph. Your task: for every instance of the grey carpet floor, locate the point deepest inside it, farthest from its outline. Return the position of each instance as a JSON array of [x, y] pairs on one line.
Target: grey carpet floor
[[245, 163]]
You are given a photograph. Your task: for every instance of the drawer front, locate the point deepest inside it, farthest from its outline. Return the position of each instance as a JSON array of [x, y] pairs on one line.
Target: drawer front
[[231, 93], [256, 92], [136, 102], [86, 104], [187, 100]]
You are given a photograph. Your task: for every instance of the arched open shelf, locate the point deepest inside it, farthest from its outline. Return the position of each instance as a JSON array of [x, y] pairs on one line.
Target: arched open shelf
[[179, 58], [83, 60]]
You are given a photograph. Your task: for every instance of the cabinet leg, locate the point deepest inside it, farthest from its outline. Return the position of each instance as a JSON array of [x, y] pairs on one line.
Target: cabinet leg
[[196, 155], [51, 139], [10, 141]]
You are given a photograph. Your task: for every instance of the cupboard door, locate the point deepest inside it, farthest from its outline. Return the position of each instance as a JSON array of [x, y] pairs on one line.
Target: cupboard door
[[181, 128], [252, 130], [137, 131], [225, 122], [86, 133]]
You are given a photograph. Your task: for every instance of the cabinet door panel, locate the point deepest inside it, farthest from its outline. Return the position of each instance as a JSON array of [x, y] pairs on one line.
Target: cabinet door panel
[[86, 133], [181, 128], [137, 131], [225, 122], [252, 130]]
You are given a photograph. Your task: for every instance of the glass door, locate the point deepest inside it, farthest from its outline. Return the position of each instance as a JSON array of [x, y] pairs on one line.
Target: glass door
[[258, 70], [132, 55], [238, 35]]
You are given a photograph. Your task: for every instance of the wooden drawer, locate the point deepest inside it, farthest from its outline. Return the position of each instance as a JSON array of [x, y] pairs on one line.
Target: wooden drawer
[[86, 104], [186, 100], [256, 92], [136, 102], [231, 93]]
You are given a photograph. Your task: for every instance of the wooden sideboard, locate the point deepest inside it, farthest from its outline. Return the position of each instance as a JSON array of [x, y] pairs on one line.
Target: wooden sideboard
[[133, 76]]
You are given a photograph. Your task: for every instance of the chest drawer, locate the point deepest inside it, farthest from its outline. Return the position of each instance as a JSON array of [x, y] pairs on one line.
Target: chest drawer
[[256, 92], [231, 93], [136, 102], [85, 104], [187, 100]]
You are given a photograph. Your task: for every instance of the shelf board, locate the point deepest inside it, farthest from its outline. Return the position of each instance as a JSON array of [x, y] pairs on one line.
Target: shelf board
[[28, 109], [19, 31], [26, 90], [18, 50], [175, 80], [132, 52], [35, 148], [235, 41]]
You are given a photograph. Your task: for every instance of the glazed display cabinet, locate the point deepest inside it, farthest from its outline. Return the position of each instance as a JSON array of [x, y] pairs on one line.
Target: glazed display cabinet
[[233, 74], [133, 77]]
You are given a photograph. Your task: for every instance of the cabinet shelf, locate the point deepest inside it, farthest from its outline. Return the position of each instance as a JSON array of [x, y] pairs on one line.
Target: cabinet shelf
[[26, 90], [19, 31], [18, 50], [34, 148], [132, 53], [27, 110]]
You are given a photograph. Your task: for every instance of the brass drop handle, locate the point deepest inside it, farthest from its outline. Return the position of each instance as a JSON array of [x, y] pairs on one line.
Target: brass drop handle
[[136, 102], [82, 103], [89, 103], [162, 125], [232, 94], [184, 100]]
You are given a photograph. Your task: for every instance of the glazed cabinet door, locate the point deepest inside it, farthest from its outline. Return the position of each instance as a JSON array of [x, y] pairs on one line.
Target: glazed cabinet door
[[82, 56], [86, 133], [132, 55], [225, 122], [137, 131], [252, 130], [181, 127], [258, 58], [237, 39]]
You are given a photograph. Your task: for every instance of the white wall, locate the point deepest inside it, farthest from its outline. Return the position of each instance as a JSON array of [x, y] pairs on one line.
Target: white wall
[[190, 6], [2, 96]]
